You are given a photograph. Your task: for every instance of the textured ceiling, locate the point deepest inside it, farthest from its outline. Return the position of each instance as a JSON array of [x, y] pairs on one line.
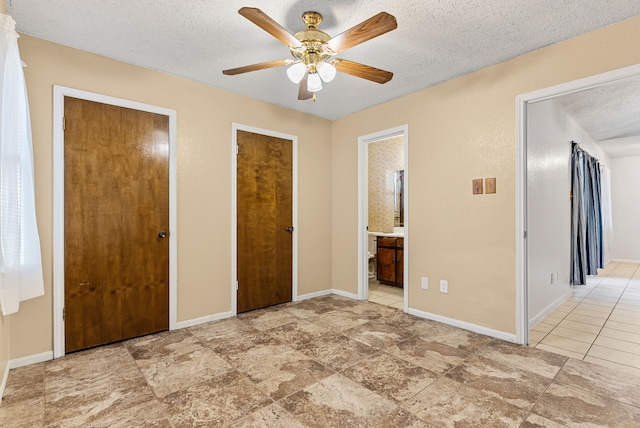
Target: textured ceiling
[[436, 40], [610, 114]]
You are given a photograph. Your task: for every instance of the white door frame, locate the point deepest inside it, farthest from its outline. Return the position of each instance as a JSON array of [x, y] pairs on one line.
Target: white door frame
[[522, 304], [59, 92], [363, 208], [235, 127]]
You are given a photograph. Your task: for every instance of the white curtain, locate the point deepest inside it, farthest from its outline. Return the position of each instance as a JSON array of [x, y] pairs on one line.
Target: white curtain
[[607, 215], [20, 258]]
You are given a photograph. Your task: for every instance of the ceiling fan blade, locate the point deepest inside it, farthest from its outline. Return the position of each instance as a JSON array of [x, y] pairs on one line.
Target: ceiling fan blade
[[363, 71], [256, 67], [303, 92], [366, 30], [263, 21]]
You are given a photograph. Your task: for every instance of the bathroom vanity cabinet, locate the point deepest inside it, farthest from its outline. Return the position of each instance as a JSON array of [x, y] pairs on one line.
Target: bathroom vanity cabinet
[[390, 260]]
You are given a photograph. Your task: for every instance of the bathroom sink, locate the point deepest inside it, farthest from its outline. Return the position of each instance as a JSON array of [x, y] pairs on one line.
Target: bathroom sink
[[389, 234]]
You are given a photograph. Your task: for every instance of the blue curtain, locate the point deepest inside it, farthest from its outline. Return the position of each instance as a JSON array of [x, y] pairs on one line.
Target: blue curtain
[[586, 216]]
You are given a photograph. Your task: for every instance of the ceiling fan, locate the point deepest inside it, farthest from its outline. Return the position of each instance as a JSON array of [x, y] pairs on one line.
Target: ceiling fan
[[313, 50]]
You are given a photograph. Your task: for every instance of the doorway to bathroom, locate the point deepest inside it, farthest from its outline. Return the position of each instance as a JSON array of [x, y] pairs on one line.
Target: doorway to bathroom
[[383, 219]]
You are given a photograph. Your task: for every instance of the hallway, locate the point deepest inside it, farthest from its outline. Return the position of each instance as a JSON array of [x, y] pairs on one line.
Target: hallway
[[600, 323]]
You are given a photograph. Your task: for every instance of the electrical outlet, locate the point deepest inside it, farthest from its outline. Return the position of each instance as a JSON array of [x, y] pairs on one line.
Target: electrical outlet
[[552, 278], [444, 286], [425, 283]]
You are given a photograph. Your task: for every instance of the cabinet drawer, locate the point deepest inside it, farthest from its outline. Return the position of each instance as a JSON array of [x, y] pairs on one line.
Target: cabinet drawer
[[400, 243], [386, 242]]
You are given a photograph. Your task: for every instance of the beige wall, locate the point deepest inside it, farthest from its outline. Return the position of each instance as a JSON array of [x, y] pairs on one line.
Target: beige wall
[[461, 130], [204, 116]]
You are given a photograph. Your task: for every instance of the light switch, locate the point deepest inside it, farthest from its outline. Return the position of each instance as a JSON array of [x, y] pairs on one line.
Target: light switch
[[425, 283], [490, 184], [477, 186]]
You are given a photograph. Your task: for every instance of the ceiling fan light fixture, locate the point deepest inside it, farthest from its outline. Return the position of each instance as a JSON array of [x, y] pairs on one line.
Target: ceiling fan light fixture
[[296, 72], [312, 50], [326, 71], [314, 83]]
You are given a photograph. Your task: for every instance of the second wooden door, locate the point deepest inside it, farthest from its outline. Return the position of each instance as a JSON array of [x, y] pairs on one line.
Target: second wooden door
[[265, 220]]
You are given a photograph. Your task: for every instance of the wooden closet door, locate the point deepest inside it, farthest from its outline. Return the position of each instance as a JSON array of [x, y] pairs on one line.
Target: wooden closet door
[[116, 208], [265, 212]]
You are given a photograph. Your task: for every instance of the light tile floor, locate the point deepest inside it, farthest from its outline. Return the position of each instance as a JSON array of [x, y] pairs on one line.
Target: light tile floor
[[386, 294], [600, 323]]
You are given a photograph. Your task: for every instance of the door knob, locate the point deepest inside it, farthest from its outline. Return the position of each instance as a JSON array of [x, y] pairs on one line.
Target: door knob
[[162, 234], [289, 228]]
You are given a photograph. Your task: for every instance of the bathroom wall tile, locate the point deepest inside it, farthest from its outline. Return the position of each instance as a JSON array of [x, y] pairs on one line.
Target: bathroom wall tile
[[385, 157]]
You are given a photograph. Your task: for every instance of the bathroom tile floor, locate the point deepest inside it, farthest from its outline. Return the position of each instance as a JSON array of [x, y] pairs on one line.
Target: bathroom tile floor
[[600, 322], [323, 362], [386, 294]]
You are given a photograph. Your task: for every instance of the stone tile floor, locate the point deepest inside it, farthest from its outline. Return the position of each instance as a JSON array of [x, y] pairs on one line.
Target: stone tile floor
[[325, 362]]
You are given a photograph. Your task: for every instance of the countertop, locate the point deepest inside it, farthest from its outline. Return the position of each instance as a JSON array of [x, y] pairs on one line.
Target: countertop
[[389, 234]]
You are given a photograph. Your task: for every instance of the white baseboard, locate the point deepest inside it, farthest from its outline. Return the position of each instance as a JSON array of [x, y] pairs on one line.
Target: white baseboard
[[450, 321], [465, 325], [30, 359], [345, 294], [202, 320], [21, 362], [229, 314], [546, 311], [313, 295], [5, 376], [623, 261], [326, 293]]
